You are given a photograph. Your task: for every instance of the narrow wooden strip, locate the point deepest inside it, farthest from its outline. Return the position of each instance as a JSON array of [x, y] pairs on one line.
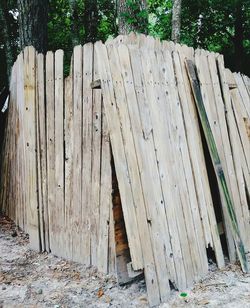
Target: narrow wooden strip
[[68, 163], [77, 235], [90, 210], [30, 133], [59, 155], [50, 135], [39, 62]]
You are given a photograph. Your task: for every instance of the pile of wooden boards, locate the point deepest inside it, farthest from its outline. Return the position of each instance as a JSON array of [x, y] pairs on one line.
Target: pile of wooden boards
[[150, 101], [178, 123]]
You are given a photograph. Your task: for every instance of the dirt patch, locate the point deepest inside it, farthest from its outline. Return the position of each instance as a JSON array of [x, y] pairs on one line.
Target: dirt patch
[[30, 279]]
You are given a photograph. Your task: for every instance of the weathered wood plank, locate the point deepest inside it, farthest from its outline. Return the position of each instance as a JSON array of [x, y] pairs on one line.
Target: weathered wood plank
[[59, 154], [50, 134], [68, 163], [30, 134], [90, 211], [77, 229]]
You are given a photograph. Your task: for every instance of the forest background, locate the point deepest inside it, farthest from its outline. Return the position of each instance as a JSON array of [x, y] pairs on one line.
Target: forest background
[[217, 25]]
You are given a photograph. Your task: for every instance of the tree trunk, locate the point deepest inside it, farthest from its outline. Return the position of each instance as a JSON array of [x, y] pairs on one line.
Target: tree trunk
[[9, 53], [176, 21], [91, 20], [75, 23], [124, 27], [239, 37], [32, 19]]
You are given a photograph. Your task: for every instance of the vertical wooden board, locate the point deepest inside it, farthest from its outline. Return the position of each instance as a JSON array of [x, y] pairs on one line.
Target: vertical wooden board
[[14, 169], [90, 210], [154, 167], [50, 135], [68, 164], [59, 154], [38, 158], [77, 155], [149, 165], [192, 246], [105, 251], [124, 175], [20, 141], [112, 266], [30, 132], [208, 97], [152, 194], [244, 103], [193, 143], [43, 147], [101, 180], [119, 156], [227, 145], [197, 157]]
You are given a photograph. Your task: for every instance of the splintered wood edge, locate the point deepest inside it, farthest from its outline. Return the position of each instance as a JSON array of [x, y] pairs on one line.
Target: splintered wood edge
[[96, 84]]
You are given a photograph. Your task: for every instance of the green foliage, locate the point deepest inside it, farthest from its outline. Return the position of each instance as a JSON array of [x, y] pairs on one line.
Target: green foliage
[[160, 14], [136, 16]]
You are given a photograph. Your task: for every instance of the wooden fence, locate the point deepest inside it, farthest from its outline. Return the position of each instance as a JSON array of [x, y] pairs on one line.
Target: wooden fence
[[57, 180]]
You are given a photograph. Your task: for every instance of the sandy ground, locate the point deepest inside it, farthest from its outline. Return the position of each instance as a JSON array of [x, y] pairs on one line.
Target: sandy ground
[[30, 279]]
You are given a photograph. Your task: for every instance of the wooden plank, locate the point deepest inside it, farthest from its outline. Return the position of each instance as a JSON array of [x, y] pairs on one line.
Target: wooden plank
[[38, 158], [217, 164], [119, 155], [21, 144], [105, 240], [211, 110], [124, 180], [50, 134], [30, 133], [125, 92], [77, 235], [244, 104], [59, 154], [157, 160], [101, 179], [90, 210], [180, 141], [68, 163], [197, 156]]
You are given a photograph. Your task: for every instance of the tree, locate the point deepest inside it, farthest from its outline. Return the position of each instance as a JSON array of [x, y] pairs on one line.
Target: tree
[[8, 38], [176, 21], [32, 19], [132, 16], [91, 20]]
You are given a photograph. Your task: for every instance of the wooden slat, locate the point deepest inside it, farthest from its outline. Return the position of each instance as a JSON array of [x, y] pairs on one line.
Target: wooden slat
[[120, 157], [77, 229], [151, 195], [197, 156], [59, 155], [68, 163], [90, 211], [50, 134], [211, 110], [30, 134]]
